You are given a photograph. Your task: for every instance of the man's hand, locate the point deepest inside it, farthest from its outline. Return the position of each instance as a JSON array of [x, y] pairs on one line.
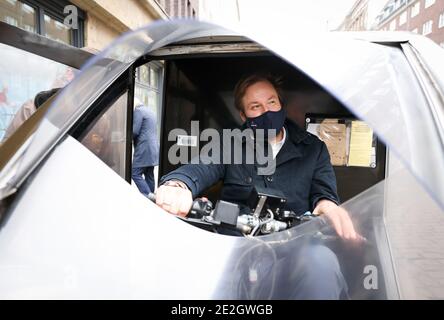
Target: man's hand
[[174, 199], [339, 218]]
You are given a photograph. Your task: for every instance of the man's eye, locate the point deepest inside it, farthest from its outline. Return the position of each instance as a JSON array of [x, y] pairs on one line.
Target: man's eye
[[273, 102], [254, 106]]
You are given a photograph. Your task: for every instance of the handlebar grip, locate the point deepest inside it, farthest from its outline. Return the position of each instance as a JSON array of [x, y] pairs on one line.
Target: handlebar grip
[[198, 209], [152, 197]]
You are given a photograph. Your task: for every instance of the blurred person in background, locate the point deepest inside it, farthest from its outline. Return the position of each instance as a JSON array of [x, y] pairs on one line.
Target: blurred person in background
[[146, 147], [27, 109], [98, 140]]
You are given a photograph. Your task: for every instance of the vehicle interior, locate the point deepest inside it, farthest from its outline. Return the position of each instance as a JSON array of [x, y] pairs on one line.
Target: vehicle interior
[[201, 88]]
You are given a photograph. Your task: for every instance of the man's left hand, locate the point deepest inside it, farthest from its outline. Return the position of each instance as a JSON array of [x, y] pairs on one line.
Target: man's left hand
[[339, 218]]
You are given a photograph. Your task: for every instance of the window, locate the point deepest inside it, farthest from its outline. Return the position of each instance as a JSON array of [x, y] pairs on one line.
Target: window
[[183, 12], [11, 21], [148, 90], [45, 17], [56, 30], [149, 86], [107, 137], [414, 9], [441, 20], [175, 9], [428, 3], [427, 27], [393, 25], [19, 86], [168, 7], [18, 14], [403, 18]]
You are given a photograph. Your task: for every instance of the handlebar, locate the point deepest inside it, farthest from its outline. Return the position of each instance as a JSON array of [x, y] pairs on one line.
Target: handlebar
[[199, 208], [227, 215]]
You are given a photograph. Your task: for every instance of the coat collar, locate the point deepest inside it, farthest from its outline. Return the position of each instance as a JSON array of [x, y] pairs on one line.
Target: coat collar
[[296, 134], [292, 147]]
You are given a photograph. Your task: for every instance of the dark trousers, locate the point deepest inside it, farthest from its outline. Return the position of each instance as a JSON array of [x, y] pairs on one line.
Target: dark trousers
[[144, 179], [314, 274], [310, 271]]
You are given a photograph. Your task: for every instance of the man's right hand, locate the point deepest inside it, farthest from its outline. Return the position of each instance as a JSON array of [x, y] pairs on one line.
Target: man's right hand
[[175, 200]]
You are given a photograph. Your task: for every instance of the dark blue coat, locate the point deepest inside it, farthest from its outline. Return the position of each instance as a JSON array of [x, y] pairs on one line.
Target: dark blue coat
[[303, 173], [146, 144]]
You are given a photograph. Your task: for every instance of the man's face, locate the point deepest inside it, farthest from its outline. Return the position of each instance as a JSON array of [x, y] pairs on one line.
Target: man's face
[[258, 99]]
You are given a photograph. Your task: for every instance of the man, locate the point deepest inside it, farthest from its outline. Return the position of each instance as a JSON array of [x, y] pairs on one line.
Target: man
[[303, 169], [146, 147], [303, 173]]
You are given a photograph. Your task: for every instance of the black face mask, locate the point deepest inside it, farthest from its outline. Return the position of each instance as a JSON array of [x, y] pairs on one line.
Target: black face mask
[[270, 120]]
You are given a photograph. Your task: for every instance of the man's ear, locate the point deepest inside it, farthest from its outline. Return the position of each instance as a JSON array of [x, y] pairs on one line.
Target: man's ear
[[242, 115]]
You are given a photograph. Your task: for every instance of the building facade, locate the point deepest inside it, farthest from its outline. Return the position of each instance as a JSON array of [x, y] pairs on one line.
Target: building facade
[[362, 15], [356, 19], [180, 8], [89, 24], [81, 23], [424, 17]]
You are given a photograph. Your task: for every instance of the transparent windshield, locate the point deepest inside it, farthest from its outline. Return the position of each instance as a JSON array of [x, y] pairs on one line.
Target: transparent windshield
[[375, 82], [96, 76], [378, 85], [400, 217], [23, 76], [402, 256]]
